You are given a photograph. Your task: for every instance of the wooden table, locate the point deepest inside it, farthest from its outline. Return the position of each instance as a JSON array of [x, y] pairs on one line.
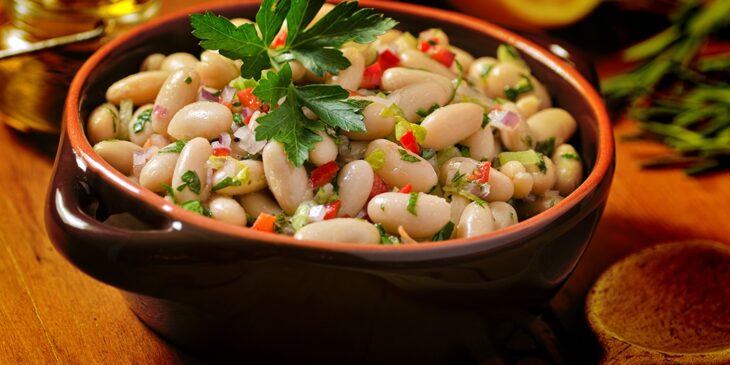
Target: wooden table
[[52, 313]]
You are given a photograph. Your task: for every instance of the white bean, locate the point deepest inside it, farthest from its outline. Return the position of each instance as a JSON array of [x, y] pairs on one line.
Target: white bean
[[542, 180], [528, 105], [103, 123], [501, 187], [193, 157], [450, 124], [398, 172], [200, 119], [434, 35], [475, 220], [463, 57], [479, 71], [158, 171], [254, 170], [421, 96], [355, 182], [391, 210], [504, 214], [324, 151], [260, 202], [462, 165], [569, 169], [141, 88], [376, 126], [348, 230], [216, 70], [540, 93], [521, 179], [396, 78], [551, 123], [501, 76], [179, 90], [152, 62], [141, 117], [118, 153], [350, 77], [415, 59], [178, 61], [517, 138], [227, 210], [458, 203], [482, 145], [529, 208], [289, 184]]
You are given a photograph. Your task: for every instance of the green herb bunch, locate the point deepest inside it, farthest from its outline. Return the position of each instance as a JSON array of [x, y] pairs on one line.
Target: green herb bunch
[[679, 96], [315, 46]]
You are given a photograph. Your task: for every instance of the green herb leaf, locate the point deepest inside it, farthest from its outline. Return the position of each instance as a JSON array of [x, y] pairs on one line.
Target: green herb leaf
[[196, 206], [524, 85], [405, 156], [274, 85], [546, 147], [386, 238], [143, 118], [270, 17], [445, 232], [428, 153], [412, 201], [226, 182], [170, 192], [425, 112], [570, 156], [330, 104], [191, 181], [175, 147]]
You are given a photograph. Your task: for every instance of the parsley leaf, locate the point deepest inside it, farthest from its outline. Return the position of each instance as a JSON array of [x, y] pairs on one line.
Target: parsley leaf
[[143, 118], [407, 157], [412, 201], [270, 17], [174, 147], [191, 181], [570, 156], [274, 85], [228, 181], [444, 233], [546, 147], [196, 206], [330, 104]]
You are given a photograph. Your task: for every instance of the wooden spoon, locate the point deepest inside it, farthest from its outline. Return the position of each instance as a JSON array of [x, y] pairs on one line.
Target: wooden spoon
[[669, 303]]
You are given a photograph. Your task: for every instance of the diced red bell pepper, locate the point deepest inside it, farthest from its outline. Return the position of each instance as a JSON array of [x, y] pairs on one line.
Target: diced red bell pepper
[[221, 151], [424, 46], [388, 59], [379, 187], [324, 174], [408, 140], [371, 76], [280, 39], [481, 175], [248, 99], [331, 209], [264, 223], [444, 56], [406, 189]]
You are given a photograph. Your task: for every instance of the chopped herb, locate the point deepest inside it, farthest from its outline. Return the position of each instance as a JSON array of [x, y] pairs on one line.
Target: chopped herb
[[236, 104], [541, 164], [191, 181], [170, 191], [382, 207], [524, 85], [143, 118], [447, 154], [425, 112], [238, 119], [376, 159], [507, 53], [226, 182], [458, 178], [115, 119], [386, 238], [546, 147], [485, 120], [241, 83], [428, 153], [527, 140], [465, 152], [176, 147], [445, 232], [412, 200], [459, 79], [570, 156], [188, 80], [405, 156], [281, 224], [196, 206]]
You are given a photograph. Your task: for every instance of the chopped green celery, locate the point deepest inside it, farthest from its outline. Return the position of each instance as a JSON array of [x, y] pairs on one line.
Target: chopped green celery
[[301, 215], [241, 83], [447, 154], [376, 159], [403, 126], [529, 157], [507, 53]]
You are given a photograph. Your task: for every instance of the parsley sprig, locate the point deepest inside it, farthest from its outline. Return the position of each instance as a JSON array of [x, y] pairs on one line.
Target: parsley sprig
[[315, 47]]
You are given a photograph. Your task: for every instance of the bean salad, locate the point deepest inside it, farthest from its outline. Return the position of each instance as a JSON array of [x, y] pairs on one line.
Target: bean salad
[[378, 137]]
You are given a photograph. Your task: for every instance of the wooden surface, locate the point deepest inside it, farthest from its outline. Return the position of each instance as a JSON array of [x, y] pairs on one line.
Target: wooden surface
[[52, 313]]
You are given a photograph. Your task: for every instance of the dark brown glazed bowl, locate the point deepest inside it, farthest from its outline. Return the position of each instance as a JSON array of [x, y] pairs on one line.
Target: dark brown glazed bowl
[[210, 286]]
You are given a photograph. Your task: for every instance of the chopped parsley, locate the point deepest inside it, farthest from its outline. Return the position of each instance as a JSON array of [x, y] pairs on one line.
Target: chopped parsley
[[405, 156], [170, 191], [485, 120], [412, 201], [386, 238], [188, 80], [444, 233], [428, 153], [196, 206], [191, 181], [524, 85], [176, 147], [425, 112], [238, 119], [143, 118], [507, 53], [226, 182], [570, 156], [546, 147]]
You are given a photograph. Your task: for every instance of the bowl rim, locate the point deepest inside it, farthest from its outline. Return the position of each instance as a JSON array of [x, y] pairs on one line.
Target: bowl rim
[[74, 129]]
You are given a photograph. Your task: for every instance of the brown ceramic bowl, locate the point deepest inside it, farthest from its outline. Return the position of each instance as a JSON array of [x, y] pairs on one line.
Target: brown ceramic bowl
[[207, 285]]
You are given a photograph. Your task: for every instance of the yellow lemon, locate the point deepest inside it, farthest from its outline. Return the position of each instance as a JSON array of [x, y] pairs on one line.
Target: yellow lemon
[[528, 13]]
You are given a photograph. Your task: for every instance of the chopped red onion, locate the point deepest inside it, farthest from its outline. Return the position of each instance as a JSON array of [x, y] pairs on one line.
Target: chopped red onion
[[362, 214], [225, 139], [205, 95], [317, 213], [159, 111], [503, 119], [246, 137], [139, 158], [480, 190], [246, 112], [150, 151], [227, 94]]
